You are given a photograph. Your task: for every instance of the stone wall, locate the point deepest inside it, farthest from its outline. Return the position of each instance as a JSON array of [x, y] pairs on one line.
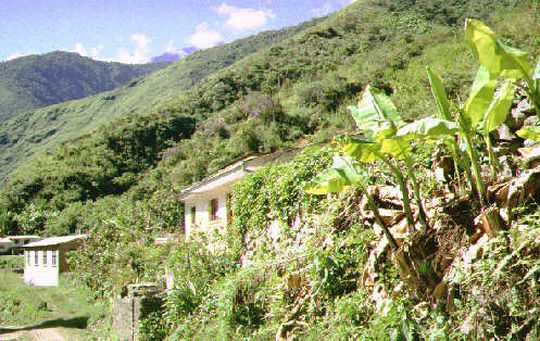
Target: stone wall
[[128, 311]]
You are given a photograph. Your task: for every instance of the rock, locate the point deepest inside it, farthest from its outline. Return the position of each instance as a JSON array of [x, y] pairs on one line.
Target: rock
[[520, 190], [391, 217], [530, 121], [503, 133], [530, 154], [517, 117], [529, 143], [508, 166], [490, 221]]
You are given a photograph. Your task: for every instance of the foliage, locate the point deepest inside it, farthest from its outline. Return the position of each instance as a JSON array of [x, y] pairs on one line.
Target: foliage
[[254, 201], [33, 81]]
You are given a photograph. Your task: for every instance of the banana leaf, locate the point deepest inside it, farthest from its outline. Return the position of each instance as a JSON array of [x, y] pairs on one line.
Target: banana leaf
[[360, 150], [530, 133], [498, 109], [498, 58], [375, 112], [429, 128], [343, 175], [437, 89], [481, 96]]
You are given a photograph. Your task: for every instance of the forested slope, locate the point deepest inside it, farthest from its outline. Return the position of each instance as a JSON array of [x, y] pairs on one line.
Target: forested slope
[[36, 131], [40, 80], [293, 91], [392, 249]]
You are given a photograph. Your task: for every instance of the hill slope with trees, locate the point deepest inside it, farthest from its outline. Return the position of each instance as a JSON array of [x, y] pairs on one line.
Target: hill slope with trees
[[36, 131], [40, 80], [392, 250]]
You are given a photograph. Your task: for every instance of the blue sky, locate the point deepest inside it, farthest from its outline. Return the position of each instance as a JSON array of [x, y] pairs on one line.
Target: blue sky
[[133, 31]]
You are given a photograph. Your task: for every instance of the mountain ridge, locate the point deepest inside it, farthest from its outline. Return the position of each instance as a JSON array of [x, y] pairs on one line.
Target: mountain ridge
[[36, 81]]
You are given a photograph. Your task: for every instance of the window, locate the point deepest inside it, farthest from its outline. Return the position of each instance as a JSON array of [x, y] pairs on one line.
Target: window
[[53, 259], [213, 209], [192, 214], [45, 258], [27, 257], [36, 259]]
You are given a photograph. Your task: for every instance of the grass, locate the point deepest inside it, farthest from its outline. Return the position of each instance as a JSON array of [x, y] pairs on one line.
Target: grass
[[25, 308]]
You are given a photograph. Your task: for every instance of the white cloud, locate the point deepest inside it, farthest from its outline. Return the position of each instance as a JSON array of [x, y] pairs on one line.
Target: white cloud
[[92, 52], [16, 55], [329, 7], [204, 37], [140, 53], [244, 19]]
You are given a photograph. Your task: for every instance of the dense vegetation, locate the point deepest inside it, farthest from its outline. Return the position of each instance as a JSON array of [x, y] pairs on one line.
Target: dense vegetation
[[336, 269], [37, 131], [40, 80]]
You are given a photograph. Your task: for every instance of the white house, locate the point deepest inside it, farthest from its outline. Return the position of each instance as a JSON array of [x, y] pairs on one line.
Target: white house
[[44, 260], [207, 202]]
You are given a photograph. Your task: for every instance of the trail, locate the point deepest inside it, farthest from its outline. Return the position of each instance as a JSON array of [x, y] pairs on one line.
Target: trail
[[42, 334]]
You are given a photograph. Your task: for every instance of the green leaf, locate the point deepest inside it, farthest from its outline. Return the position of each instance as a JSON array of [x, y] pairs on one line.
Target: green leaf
[[437, 89], [536, 73], [375, 111], [530, 133], [360, 150], [498, 109], [480, 97], [343, 175], [497, 57], [429, 128], [399, 148]]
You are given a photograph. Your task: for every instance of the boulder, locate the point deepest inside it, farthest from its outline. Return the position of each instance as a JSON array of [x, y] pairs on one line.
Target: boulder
[[391, 217], [503, 133], [519, 114], [531, 155]]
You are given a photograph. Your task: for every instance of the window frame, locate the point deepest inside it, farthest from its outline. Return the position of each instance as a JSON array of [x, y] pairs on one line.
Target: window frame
[[54, 258], [213, 207]]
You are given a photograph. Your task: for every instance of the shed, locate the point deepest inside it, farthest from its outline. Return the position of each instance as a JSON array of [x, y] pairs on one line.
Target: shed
[[44, 260]]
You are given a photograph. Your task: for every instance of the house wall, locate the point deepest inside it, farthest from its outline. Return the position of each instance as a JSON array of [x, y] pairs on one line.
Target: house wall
[[202, 214], [43, 273]]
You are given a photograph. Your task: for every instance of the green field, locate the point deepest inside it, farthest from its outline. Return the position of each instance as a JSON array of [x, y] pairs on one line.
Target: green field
[[63, 312]]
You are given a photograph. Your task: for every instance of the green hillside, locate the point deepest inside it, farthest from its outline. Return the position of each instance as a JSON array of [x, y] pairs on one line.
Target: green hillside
[[451, 257], [294, 91], [40, 80], [36, 131]]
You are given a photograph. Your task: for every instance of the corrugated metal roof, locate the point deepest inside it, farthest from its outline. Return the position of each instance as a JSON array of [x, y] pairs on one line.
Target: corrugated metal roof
[[54, 241]]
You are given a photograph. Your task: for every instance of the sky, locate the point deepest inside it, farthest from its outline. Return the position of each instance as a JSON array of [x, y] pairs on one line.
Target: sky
[[134, 31]]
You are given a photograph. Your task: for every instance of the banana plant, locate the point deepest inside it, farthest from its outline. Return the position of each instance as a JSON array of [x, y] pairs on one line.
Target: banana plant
[[344, 174], [503, 60], [378, 120], [482, 113]]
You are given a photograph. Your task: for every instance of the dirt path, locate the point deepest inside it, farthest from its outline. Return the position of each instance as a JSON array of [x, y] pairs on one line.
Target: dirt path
[[44, 334]]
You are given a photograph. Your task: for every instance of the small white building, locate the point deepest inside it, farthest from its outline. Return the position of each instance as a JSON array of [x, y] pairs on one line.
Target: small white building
[[207, 202], [44, 260]]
